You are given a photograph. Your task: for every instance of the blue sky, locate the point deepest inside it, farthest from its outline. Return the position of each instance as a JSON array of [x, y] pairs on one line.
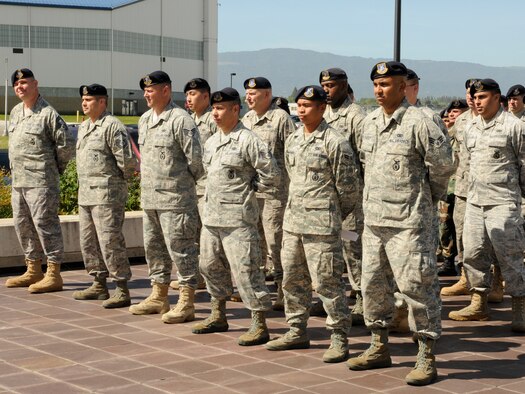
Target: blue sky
[[487, 32]]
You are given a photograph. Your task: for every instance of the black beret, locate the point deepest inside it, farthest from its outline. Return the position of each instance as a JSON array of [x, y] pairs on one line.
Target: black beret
[[197, 83], [257, 83], [226, 94], [516, 90], [332, 74], [484, 85], [411, 74], [312, 93], [92, 90], [154, 78], [21, 74], [282, 103], [470, 82], [388, 69], [457, 104]]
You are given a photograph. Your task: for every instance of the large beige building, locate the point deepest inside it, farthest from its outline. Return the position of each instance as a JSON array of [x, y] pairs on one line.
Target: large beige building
[[113, 42]]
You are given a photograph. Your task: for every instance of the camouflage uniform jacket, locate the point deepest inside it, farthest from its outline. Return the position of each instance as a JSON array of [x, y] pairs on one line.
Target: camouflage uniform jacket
[[171, 160], [347, 120], [40, 145], [324, 181], [207, 127], [273, 128], [237, 164], [497, 160], [520, 115], [433, 116], [408, 162], [104, 161], [463, 158]]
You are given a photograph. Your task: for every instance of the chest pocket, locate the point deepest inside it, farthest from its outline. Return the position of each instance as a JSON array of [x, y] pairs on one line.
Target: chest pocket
[[397, 166], [317, 163], [163, 145], [34, 136], [232, 160]]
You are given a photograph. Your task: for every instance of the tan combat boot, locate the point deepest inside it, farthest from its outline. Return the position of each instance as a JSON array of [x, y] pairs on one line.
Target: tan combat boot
[[184, 310], [376, 356], [357, 310], [338, 350], [518, 314], [278, 305], [424, 371], [399, 323], [120, 298], [257, 334], [32, 275], [157, 301], [216, 322], [458, 288], [496, 291], [295, 338], [97, 291], [477, 310], [52, 280]]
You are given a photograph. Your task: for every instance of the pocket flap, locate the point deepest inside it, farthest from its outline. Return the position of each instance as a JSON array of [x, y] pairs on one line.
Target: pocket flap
[[316, 204], [231, 198], [35, 165], [497, 178]]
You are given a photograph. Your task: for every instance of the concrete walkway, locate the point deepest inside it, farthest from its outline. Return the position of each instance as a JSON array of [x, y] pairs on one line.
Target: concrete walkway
[[50, 343]]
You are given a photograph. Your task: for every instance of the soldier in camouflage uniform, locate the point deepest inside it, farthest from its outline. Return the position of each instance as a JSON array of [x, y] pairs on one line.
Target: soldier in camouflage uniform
[[104, 161], [272, 125], [238, 164], [460, 187], [198, 93], [171, 164], [346, 117], [494, 230], [408, 162], [516, 97], [40, 146], [324, 188]]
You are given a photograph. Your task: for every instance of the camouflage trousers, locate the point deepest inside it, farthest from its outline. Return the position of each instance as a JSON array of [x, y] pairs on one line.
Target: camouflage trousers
[[494, 233], [234, 250], [353, 250], [460, 204], [406, 258], [169, 237], [314, 261], [447, 230], [35, 215], [101, 241], [271, 213]]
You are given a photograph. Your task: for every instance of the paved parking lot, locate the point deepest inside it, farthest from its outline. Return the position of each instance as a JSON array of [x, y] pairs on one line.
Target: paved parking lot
[[50, 343]]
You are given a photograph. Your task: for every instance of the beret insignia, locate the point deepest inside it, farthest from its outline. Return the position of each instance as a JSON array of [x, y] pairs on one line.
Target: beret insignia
[[325, 75], [382, 68], [193, 84], [19, 74], [309, 92], [516, 92], [478, 86], [85, 91], [278, 101], [217, 96], [147, 80], [252, 83]]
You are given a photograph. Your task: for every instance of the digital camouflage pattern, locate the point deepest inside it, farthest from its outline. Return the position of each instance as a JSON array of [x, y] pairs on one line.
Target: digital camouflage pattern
[[463, 164], [105, 160], [171, 164], [520, 115], [207, 127], [324, 181], [272, 128], [237, 165], [169, 237], [493, 222], [314, 262], [40, 145], [324, 187], [101, 241], [171, 160], [408, 162], [234, 250], [37, 226], [347, 120]]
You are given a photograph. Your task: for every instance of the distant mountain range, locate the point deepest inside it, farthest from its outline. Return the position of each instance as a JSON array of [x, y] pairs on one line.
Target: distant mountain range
[[288, 68]]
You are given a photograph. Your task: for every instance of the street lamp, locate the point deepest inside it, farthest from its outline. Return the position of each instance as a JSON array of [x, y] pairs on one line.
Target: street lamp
[[231, 79], [5, 104], [397, 32]]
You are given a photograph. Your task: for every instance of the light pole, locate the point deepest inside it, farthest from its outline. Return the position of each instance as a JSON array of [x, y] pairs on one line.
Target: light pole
[[231, 79], [397, 32], [5, 105]]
